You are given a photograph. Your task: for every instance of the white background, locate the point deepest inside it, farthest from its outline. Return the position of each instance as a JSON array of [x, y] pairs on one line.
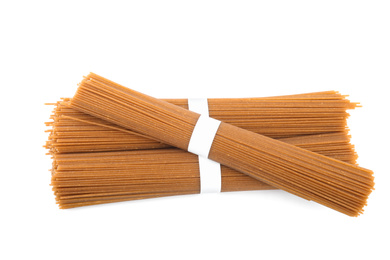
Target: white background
[[184, 49]]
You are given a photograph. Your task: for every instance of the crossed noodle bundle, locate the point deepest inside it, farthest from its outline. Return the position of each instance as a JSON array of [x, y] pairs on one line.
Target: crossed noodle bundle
[[95, 178], [341, 186]]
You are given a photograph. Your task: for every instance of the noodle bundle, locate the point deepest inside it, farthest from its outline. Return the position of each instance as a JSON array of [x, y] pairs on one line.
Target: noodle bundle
[[339, 185], [276, 117], [81, 179]]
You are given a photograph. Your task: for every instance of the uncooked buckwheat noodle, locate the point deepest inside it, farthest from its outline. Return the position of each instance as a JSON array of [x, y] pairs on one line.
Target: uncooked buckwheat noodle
[[83, 179], [341, 186], [277, 117]]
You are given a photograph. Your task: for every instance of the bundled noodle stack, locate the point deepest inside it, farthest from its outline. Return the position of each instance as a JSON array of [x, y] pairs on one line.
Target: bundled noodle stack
[[99, 159]]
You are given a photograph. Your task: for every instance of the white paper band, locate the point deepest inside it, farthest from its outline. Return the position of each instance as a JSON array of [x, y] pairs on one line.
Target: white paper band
[[210, 175], [200, 143], [203, 136]]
